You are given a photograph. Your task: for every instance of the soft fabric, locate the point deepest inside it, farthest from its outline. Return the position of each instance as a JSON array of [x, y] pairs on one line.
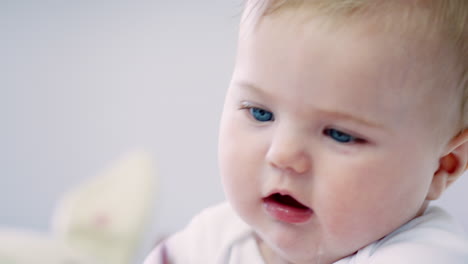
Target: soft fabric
[[105, 217], [218, 236]]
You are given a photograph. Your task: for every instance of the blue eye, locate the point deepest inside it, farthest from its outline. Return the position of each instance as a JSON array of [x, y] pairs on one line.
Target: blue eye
[[340, 136], [261, 115]]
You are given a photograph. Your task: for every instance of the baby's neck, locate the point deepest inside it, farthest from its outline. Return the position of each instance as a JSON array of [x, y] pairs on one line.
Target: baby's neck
[[270, 257]]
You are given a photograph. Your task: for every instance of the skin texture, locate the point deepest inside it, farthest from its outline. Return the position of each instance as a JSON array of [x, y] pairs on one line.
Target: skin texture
[[312, 79]]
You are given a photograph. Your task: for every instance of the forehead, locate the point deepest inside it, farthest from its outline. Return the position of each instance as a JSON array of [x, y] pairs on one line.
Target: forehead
[[389, 73]]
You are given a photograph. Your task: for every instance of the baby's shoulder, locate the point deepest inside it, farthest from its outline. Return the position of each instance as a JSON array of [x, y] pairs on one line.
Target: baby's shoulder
[[208, 237], [430, 239], [216, 217], [217, 225]]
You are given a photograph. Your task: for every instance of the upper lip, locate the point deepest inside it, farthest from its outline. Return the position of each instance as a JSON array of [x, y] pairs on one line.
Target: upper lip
[[285, 192]]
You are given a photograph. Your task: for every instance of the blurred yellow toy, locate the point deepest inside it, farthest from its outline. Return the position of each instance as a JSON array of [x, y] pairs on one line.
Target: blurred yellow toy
[[99, 222]]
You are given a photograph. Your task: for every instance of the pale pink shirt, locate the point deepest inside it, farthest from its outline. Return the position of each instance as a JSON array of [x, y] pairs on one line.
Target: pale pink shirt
[[218, 236]]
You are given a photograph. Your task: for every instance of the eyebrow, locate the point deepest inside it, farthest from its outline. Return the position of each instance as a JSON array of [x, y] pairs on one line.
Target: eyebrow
[[342, 115], [336, 114], [251, 87]]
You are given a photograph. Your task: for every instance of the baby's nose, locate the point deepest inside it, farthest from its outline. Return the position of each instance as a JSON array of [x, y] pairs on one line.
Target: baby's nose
[[288, 152]]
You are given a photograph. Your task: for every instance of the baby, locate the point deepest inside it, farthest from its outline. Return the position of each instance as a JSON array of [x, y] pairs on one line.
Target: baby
[[343, 120]]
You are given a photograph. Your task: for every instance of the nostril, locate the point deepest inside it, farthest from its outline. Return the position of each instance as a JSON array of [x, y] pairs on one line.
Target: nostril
[[292, 162], [297, 168]]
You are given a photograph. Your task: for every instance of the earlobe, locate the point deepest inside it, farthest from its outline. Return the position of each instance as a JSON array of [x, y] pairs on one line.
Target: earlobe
[[451, 165]]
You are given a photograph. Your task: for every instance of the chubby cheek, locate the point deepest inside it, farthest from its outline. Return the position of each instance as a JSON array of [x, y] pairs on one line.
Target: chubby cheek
[[240, 166], [370, 199]]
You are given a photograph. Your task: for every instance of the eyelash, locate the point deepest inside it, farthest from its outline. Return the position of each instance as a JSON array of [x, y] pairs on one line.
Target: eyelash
[[334, 134], [253, 110], [346, 138]]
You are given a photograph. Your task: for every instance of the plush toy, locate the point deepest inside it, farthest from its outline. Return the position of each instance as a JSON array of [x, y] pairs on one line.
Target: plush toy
[[105, 217]]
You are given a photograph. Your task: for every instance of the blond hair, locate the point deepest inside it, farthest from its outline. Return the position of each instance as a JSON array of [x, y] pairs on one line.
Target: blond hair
[[446, 19]]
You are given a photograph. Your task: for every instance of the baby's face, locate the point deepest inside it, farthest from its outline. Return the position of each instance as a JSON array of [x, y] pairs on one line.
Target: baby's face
[[327, 138]]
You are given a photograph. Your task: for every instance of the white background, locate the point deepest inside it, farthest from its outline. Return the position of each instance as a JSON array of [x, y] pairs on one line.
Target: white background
[[84, 82]]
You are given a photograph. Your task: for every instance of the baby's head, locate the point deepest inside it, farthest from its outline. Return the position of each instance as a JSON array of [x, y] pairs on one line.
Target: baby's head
[[343, 120]]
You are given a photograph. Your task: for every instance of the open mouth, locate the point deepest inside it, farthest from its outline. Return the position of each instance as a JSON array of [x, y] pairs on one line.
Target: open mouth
[[286, 200], [286, 208]]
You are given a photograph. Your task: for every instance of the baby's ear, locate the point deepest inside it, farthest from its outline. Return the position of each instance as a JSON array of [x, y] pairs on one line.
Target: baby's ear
[[451, 165]]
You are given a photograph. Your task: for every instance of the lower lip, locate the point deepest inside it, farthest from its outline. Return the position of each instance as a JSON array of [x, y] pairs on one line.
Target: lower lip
[[287, 214]]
